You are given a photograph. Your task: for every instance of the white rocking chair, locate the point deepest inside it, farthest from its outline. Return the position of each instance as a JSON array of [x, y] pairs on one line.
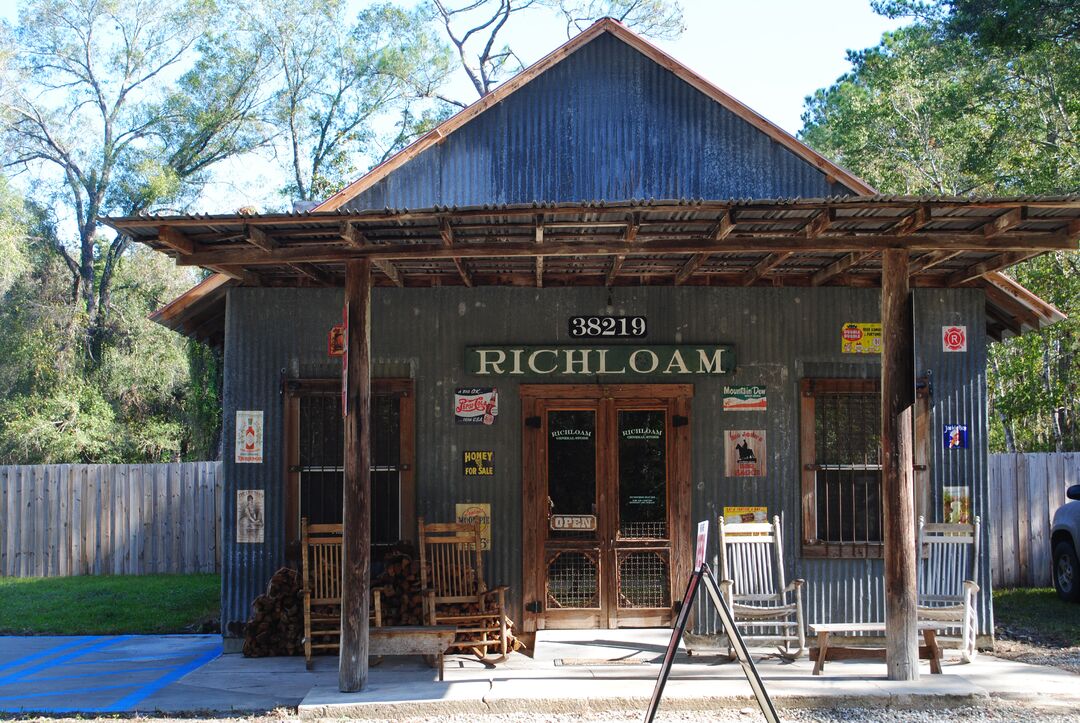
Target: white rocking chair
[[752, 581], [948, 580]]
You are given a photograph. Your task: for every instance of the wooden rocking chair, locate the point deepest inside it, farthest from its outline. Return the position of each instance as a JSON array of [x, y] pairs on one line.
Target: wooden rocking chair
[[948, 580], [452, 580], [321, 559], [752, 581]]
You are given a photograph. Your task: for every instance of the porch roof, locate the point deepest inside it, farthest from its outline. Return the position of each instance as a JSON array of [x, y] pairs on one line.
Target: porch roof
[[952, 242]]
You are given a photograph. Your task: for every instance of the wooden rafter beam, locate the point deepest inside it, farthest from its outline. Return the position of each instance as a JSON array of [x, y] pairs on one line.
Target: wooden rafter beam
[[1004, 222], [763, 267], [176, 240], [616, 268], [913, 221], [352, 236], [997, 263], [260, 239], [692, 264], [1021, 315], [724, 226], [238, 273], [328, 253], [930, 260], [632, 228], [314, 273], [1072, 229], [390, 271], [446, 231], [820, 223], [839, 266]]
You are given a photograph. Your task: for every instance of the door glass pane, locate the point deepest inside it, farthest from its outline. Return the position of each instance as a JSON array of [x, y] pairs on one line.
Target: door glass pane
[[572, 474], [642, 474]]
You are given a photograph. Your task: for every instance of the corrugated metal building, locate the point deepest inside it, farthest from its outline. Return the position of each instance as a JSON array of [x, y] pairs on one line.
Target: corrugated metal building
[[603, 120]]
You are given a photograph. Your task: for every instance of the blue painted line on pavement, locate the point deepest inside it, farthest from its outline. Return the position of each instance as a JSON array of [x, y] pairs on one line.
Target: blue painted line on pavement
[[101, 673], [26, 672], [128, 702], [69, 691], [82, 640], [180, 655]]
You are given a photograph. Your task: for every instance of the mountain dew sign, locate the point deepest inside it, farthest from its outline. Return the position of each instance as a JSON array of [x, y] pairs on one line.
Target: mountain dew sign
[[621, 360]]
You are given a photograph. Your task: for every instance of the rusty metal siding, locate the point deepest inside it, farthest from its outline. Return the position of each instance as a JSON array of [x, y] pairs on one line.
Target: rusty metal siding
[[780, 335], [605, 123]]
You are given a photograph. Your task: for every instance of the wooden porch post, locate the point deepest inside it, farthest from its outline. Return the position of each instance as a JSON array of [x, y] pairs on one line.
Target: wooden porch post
[[356, 545], [897, 473]]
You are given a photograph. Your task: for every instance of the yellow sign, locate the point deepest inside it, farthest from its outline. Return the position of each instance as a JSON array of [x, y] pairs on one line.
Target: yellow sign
[[476, 512], [734, 515], [859, 338]]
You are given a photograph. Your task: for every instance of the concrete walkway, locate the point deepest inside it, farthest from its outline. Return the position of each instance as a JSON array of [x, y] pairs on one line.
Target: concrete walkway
[[572, 671]]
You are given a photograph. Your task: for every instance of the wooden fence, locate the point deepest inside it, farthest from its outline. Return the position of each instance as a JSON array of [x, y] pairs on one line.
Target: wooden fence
[[109, 519], [1025, 490]]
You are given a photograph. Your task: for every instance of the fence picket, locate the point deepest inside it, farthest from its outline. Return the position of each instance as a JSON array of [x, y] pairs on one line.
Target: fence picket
[[75, 519]]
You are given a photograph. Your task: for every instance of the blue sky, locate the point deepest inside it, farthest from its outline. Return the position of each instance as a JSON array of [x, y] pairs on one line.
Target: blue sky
[[770, 54]]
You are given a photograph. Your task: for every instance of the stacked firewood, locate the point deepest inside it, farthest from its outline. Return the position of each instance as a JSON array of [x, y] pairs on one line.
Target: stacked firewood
[[402, 600], [276, 626]]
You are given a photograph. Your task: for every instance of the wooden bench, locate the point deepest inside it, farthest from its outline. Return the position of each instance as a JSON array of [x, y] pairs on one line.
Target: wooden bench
[[431, 641], [929, 651]]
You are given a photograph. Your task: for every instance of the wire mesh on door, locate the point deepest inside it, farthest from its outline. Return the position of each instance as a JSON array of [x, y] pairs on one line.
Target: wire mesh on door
[[573, 580], [643, 579]]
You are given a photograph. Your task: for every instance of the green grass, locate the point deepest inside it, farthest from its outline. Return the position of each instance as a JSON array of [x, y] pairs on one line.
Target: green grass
[[1039, 614], [107, 605]]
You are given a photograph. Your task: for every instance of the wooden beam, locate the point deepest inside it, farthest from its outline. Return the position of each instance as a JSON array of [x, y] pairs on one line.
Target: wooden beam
[[839, 266], [913, 221], [930, 260], [632, 228], [1004, 222], [688, 269], [897, 471], [1072, 229], [463, 272], [997, 263], [259, 238], [175, 239], [819, 223], [352, 236], [314, 273], [239, 273], [356, 500], [388, 269], [539, 239], [724, 226], [446, 231], [616, 267], [395, 251], [763, 267]]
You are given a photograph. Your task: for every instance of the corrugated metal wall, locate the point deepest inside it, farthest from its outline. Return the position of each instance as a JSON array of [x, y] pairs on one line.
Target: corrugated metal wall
[[780, 335], [605, 123]]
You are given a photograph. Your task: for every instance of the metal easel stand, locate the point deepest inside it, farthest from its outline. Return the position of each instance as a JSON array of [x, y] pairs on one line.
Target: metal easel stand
[[704, 574]]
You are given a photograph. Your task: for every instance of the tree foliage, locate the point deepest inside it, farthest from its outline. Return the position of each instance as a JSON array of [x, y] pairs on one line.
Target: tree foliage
[[951, 104]]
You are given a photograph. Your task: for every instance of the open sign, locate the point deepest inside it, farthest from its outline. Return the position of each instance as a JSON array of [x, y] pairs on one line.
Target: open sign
[[585, 523]]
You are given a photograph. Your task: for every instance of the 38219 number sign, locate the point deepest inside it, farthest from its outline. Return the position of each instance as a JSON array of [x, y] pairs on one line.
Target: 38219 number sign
[[610, 326]]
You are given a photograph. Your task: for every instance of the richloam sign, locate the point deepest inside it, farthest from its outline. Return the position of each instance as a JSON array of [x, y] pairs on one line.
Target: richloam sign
[[614, 360]]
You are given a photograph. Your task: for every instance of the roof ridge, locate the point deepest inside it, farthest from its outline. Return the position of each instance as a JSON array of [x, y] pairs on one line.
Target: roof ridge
[[635, 41]]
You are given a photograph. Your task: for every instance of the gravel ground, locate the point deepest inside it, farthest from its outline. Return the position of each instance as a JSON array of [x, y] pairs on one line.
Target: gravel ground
[[996, 712], [1064, 657]]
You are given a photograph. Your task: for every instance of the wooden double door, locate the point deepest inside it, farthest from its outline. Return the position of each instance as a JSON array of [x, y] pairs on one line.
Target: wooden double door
[[606, 502]]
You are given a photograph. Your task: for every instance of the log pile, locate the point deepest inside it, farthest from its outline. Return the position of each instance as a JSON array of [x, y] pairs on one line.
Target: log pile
[[402, 602], [276, 626]]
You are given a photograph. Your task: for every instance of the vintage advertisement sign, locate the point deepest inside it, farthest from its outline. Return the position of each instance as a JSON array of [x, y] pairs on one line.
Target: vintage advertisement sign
[[250, 520], [335, 341], [954, 338], [744, 452], [573, 523], [702, 544], [859, 338], [627, 360], [476, 405], [476, 513], [478, 463], [249, 437], [745, 399], [957, 504], [735, 515], [955, 436]]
